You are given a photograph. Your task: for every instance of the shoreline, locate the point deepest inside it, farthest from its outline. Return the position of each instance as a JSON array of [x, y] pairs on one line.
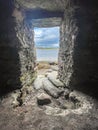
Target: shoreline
[[47, 61], [47, 54], [46, 48]]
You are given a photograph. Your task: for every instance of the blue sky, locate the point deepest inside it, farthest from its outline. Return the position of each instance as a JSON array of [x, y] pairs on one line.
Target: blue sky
[[46, 37]]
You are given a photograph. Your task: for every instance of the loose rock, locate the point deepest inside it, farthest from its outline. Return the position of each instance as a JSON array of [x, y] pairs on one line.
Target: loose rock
[[51, 89], [72, 96], [43, 99], [54, 68], [53, 78], [38, 82]]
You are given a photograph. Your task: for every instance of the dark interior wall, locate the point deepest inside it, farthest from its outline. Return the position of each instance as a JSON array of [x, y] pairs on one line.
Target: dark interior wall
[[79, 47], [9, 57], [86, 50], [17, 55]]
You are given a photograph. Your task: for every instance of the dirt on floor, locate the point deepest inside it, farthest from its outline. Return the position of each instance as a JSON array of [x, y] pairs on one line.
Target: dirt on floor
[[31, 116], [44, 67]]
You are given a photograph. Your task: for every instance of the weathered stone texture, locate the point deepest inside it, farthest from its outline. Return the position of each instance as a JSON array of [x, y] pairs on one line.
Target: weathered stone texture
[[17, 55], [68, 33], [78, 55], [26, 52], [9, 57], [51, 5], [46, 22]]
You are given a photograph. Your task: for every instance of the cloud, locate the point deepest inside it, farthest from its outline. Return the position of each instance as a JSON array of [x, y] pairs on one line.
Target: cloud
[[38, 33], [46, 36], [55, 45]]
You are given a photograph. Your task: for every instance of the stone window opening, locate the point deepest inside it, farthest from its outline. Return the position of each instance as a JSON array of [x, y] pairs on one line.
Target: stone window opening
[[46, 41]]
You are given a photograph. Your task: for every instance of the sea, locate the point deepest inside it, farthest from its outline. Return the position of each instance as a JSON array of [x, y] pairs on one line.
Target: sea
[[47, 54]]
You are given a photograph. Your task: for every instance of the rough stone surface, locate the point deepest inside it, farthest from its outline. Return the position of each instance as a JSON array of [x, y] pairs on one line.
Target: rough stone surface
[[43, 99], [68, 33], [51, 89], [54, 68], [9, 48], [26, 52], [46, 22], [78, 48], [30, 116], [50, 5], [38, 83], [53, 78], [17, 52]]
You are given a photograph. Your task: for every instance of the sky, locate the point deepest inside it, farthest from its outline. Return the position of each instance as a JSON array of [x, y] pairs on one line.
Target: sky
[[46, 37]]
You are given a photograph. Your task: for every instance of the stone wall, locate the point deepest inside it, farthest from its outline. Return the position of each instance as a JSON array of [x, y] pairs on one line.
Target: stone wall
[[25, 34], [78, 61], [17, 54], [68, 31]]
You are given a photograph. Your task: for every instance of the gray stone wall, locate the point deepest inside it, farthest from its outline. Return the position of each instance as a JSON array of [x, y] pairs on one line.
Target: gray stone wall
[[68, 33], [17, 54], [27, 54], [9, 57], [78, 47]]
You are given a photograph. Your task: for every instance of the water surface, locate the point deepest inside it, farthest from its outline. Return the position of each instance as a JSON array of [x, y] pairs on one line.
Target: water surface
[[47, 54]]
